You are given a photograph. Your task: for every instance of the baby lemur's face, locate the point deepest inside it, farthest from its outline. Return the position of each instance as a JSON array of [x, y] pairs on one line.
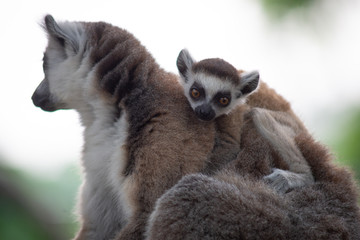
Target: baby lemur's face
[[214, 87]]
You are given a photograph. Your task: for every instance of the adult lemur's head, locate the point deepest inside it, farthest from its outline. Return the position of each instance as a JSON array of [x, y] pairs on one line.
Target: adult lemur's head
[[62, 62], [214, 87], [87, 62]]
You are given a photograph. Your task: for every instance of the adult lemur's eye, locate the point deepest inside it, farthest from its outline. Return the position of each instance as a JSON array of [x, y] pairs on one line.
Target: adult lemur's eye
[[224, 101], [195, 93]]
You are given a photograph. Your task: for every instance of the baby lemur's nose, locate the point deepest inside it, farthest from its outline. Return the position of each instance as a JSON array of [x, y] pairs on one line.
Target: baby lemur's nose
[[205, 112]]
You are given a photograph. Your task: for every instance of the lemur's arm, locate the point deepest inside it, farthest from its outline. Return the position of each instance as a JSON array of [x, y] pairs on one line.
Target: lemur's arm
[[280, 130]]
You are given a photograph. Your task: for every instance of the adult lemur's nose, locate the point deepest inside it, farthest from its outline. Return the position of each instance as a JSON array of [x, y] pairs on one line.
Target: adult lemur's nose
[[42, 97]]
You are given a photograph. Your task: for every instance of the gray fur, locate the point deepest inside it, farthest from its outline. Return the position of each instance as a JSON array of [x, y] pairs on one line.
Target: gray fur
[[230, 205], [203, 207]]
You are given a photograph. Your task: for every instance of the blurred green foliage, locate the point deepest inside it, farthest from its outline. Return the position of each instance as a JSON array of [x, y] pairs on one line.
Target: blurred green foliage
[[34, 208], [346, 144], [17, 220], [279, 8]]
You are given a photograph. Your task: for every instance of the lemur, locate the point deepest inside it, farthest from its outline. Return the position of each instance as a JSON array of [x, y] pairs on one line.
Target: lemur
[[214, 88], [140, 135]]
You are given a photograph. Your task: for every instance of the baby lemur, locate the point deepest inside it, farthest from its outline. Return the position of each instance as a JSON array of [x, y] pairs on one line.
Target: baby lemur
[[217, 91]]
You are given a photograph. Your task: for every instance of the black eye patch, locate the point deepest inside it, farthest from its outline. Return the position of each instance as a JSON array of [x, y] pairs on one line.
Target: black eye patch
[[199, 90], [222, 99]]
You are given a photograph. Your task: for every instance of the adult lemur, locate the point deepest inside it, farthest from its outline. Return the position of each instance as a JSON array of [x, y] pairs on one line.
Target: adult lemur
[[140, 135], [215, 88]]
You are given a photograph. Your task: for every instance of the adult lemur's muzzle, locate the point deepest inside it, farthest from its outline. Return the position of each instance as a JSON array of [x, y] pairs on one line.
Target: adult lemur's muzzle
[[42, 97]]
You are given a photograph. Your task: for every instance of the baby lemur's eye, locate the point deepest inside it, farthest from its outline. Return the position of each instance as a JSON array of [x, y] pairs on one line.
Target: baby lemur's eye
[[195, 93], [224, 101]]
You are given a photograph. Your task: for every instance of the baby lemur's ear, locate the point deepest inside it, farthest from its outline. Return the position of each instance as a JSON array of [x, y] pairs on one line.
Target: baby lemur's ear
[[249, 81], [184, 63]]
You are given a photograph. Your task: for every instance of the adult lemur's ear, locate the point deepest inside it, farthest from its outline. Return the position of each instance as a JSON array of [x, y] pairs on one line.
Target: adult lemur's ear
[[65, 37], [249, 81], [184, 63]]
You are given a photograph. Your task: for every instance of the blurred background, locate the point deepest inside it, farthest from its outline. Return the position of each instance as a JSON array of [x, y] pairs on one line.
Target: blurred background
[[308, 50]]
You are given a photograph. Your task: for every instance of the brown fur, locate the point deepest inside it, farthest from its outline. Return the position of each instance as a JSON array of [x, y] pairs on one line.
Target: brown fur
[[276, 126], [271, 129], [258, 155], [234, 204], [163, 153], [149, 182], [229, 127], [165, 140]]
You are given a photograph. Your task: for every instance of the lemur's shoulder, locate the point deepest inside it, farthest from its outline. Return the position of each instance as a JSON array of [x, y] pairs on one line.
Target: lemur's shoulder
[[266, 97]]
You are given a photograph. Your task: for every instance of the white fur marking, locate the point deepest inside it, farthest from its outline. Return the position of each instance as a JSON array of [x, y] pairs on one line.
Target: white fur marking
[[212, 85]]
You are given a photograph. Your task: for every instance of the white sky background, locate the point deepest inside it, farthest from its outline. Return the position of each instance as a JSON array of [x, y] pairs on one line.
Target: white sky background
[[315, 66]]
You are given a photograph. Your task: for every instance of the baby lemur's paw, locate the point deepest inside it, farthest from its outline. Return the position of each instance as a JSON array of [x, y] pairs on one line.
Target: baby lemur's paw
[[278, 181], [284, 181]]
